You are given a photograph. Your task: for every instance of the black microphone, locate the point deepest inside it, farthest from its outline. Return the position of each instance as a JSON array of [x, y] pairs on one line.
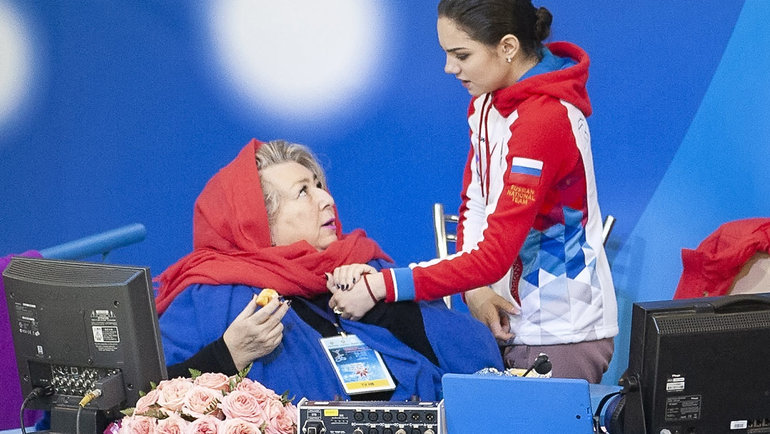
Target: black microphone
[[541, 365]]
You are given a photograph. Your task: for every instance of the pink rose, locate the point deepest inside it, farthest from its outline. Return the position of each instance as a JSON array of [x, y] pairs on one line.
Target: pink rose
[[174, 424], [241, 404], [215, 381], [272, 408], [204, 425], [146, 402], [238, 426], [172, 393], [284, 421], [138, 425], [256, 389], [290, 414], [199, 400]]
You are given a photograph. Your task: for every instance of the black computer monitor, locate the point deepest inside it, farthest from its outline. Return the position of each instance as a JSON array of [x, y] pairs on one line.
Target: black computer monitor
[[79, 326], [702, 365]]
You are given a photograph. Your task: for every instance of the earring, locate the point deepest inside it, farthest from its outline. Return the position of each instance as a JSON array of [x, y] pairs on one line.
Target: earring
[[508, 59]]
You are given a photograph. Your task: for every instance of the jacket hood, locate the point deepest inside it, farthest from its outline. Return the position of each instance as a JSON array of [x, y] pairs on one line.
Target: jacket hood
[[567, 84]]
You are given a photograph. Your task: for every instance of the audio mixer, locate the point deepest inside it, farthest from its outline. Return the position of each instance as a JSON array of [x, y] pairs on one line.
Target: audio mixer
[[371, 417]]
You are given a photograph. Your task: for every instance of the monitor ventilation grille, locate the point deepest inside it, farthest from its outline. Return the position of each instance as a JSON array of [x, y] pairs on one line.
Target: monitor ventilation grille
[[716, 322], [65, 274]]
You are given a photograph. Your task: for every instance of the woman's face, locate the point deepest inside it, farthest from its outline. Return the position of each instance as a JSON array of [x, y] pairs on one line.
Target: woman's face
[[306, 210], [479, 68]]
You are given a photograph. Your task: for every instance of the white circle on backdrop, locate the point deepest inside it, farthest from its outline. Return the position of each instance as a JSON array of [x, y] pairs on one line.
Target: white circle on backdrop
[[298, 57], [15, 62]]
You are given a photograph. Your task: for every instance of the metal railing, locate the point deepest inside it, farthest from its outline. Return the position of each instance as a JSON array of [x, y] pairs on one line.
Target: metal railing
[[102, 243]]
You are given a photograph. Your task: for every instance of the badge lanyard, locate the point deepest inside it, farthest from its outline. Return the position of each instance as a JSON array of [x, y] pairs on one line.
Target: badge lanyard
[[359, 368], [325, 314]]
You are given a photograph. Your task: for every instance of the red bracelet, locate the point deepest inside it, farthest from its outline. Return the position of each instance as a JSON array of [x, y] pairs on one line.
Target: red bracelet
[[371, 294]]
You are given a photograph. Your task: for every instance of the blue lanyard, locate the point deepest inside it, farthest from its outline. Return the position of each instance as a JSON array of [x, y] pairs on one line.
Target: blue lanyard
[[325, 314]]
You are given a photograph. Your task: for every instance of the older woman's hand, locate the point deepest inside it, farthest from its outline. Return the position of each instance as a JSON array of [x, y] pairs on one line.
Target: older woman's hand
[[255, 333], [354, 303], [346, 276]]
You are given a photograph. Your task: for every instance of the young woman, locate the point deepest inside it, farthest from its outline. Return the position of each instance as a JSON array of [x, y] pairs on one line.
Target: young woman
[[531, 259]]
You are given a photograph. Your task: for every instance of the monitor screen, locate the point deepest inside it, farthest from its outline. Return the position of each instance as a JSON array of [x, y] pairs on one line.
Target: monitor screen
[[701, 365], [80, 326]]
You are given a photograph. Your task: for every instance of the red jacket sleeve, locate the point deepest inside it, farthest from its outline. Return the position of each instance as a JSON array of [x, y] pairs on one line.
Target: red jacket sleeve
[[541, 133]]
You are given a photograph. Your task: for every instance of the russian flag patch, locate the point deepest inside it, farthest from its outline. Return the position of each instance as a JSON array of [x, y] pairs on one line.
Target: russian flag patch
[[525, 171]]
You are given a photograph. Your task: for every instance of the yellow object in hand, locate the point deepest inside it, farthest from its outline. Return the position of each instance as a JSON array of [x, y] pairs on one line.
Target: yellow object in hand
[[266, 295]]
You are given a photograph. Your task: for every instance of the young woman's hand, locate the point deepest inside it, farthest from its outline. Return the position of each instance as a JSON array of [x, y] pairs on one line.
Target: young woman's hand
[[255, 333], [346, 276], [488, 307], [358, 300]]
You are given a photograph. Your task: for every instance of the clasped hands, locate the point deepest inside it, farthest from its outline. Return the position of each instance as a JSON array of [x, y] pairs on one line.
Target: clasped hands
[[350, 297]]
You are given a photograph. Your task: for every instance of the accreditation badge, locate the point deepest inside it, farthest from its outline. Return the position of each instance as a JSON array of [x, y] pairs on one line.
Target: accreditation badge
[[359, 368]]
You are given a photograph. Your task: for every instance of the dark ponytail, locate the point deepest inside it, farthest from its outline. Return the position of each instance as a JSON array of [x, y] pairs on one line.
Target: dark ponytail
[[543, 24], [487, 21]]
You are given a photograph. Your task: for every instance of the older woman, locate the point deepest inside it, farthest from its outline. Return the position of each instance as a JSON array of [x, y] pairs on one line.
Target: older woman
[[267, 220]]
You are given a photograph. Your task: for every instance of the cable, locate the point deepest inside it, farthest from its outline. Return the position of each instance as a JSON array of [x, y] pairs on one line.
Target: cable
[[37, 392], [598, 425], [90, 396], [77, 419]]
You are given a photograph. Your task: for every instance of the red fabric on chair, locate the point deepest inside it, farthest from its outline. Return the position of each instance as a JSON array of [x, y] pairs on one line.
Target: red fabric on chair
[[711, 269]]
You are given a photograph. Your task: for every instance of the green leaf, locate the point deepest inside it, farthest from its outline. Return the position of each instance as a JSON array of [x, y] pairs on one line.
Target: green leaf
[[142, 393], [245, 371], [212, 407], [128, 411], [187, 417], [195, 373], [156, 412], [153, 385], [285, 398], [237, 378]]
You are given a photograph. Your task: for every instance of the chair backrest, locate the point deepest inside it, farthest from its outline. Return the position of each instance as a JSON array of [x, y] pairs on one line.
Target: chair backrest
[[445, 231], [444, 235], [609, 223]]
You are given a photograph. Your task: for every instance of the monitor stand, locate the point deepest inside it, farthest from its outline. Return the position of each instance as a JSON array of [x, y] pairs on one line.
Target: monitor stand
[[64, 420]]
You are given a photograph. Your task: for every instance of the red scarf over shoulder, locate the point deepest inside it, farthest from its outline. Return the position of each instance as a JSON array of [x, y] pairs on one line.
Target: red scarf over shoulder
[[231, 242], [711, 269]]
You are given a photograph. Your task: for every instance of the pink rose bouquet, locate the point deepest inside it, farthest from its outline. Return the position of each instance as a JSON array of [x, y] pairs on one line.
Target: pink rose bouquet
[[210, 403]]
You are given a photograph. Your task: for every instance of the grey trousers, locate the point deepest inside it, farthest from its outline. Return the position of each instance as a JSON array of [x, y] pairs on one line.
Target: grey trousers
[[588, 360]]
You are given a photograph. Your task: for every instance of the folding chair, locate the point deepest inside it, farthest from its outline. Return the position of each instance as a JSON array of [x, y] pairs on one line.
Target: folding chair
[[442, 237]]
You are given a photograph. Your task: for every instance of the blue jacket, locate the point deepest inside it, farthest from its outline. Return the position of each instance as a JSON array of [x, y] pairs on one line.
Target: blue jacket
[[201, 314]]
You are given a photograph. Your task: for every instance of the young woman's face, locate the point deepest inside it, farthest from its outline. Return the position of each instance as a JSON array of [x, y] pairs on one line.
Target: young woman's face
[[479, 67], [305, 210]]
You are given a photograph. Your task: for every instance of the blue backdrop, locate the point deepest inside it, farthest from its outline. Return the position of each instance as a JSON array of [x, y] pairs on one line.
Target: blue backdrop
[[118, 112]]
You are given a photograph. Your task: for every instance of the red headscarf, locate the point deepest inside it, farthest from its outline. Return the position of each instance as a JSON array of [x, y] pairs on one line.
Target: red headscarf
[[710, 270], [231, 242]]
